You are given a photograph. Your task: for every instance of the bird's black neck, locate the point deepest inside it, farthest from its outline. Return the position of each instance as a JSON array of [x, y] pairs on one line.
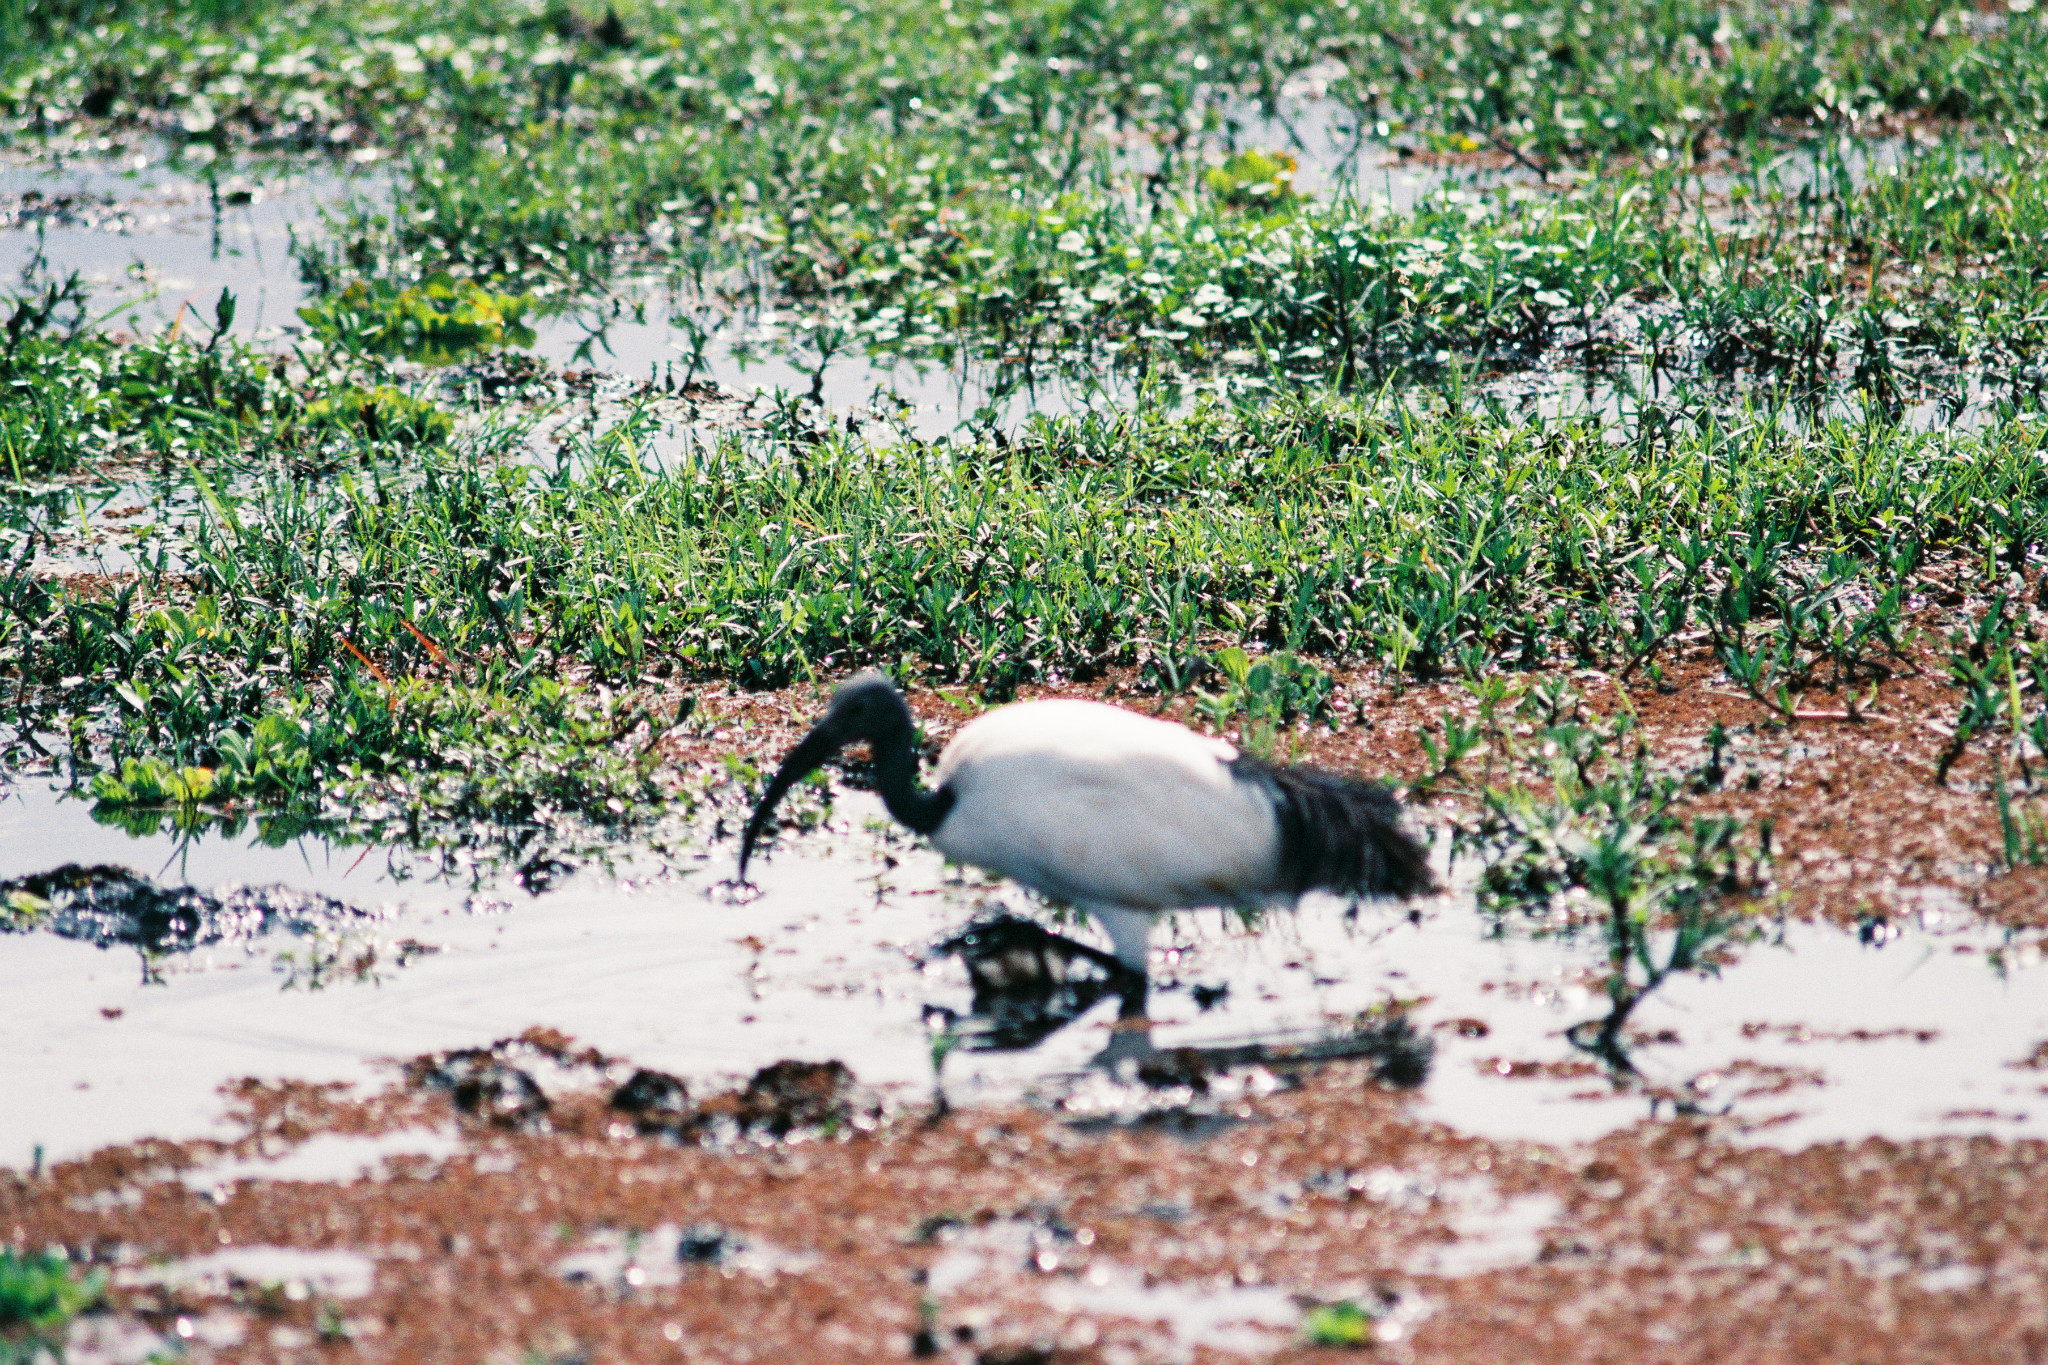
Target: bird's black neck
[[907, 799]]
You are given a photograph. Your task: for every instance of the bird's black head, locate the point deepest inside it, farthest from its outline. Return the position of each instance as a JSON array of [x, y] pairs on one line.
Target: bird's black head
[[868, 708]]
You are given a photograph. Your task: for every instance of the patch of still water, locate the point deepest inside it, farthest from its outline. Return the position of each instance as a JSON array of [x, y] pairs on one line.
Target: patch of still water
[[756, 360], [150, 240], [330, 1158], [156, 240], [1805, 1034], [1241, 1319], [332, 1274]]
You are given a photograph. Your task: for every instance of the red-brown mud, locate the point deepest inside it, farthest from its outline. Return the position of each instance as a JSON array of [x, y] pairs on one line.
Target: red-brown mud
[[1664, 1242], [1861, 827]]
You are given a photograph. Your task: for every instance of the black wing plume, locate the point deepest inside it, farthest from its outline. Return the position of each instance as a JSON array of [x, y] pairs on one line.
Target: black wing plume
[[1338, 834]]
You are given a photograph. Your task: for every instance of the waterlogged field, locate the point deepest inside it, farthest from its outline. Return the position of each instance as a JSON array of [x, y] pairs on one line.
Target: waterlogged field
[[447, 453]]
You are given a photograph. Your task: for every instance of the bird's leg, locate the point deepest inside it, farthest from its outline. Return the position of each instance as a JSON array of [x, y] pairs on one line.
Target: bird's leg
[[1130, 932]]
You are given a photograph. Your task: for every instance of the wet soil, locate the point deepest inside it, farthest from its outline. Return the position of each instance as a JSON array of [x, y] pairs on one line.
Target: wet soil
[[110, 906], [1012, 1233], [1862, 827]]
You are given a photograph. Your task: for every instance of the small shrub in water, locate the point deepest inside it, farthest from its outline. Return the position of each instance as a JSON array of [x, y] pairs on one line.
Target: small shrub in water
[[384, 414], [435, 322], [1337, 1324], [1253, 178], [39, 1295]]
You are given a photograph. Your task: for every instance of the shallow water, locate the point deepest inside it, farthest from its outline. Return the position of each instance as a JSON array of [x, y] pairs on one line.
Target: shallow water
[[330, 1157], [337, 1274], [1810, 1034], [930, 401], [149, 241], [1239, 1319], [152, 242], [155, 240]]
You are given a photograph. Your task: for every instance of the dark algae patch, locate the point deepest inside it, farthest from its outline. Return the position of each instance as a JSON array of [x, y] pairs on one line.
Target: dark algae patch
[[112, 906]]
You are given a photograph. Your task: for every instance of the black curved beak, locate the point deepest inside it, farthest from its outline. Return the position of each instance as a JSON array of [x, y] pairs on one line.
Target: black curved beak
[[806, 758]]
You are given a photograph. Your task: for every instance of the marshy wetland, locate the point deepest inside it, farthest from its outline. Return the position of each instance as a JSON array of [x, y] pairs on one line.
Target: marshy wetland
[[449, 452]]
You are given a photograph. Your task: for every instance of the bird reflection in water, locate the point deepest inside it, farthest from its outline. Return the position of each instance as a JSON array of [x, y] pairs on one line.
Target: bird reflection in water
[[1028, 983]]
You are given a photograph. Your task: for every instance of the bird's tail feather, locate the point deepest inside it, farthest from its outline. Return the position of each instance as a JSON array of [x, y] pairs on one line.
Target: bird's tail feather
[[1340, 835]]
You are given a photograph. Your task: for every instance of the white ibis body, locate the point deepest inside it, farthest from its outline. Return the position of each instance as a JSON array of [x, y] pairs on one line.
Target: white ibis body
[[1122, 815]]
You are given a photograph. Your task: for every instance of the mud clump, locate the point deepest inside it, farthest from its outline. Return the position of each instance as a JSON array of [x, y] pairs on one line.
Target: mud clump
[[1175, 1067], [1400, 1055], [778, 1100], [788, 1095], [495, 1083], [1033, 1354], [704, 1244], [111, 906], [484, 1085], [658, 1102], [499, 1085]]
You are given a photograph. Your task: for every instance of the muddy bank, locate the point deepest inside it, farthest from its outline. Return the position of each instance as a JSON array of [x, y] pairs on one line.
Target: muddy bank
[[1015, 1233], [1866, 821], [1824, 1145]]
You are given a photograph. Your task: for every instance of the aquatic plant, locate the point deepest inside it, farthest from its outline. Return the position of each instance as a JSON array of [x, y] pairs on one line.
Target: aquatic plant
[[1604, 847], [1343, 1323], [39, 1295], [435, 322], [384, 414]]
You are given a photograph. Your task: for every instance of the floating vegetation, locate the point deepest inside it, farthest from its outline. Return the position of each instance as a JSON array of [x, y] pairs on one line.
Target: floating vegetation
[[435, 322]]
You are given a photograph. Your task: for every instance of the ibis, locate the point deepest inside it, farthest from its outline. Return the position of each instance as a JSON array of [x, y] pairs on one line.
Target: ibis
[[1120, 815]]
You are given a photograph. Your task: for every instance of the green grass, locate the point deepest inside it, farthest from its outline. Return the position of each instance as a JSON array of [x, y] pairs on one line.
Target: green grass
[[1780, 248], [1553, 78], [1350, 530], [1028, 183], [415, 626], [1910, 284]]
